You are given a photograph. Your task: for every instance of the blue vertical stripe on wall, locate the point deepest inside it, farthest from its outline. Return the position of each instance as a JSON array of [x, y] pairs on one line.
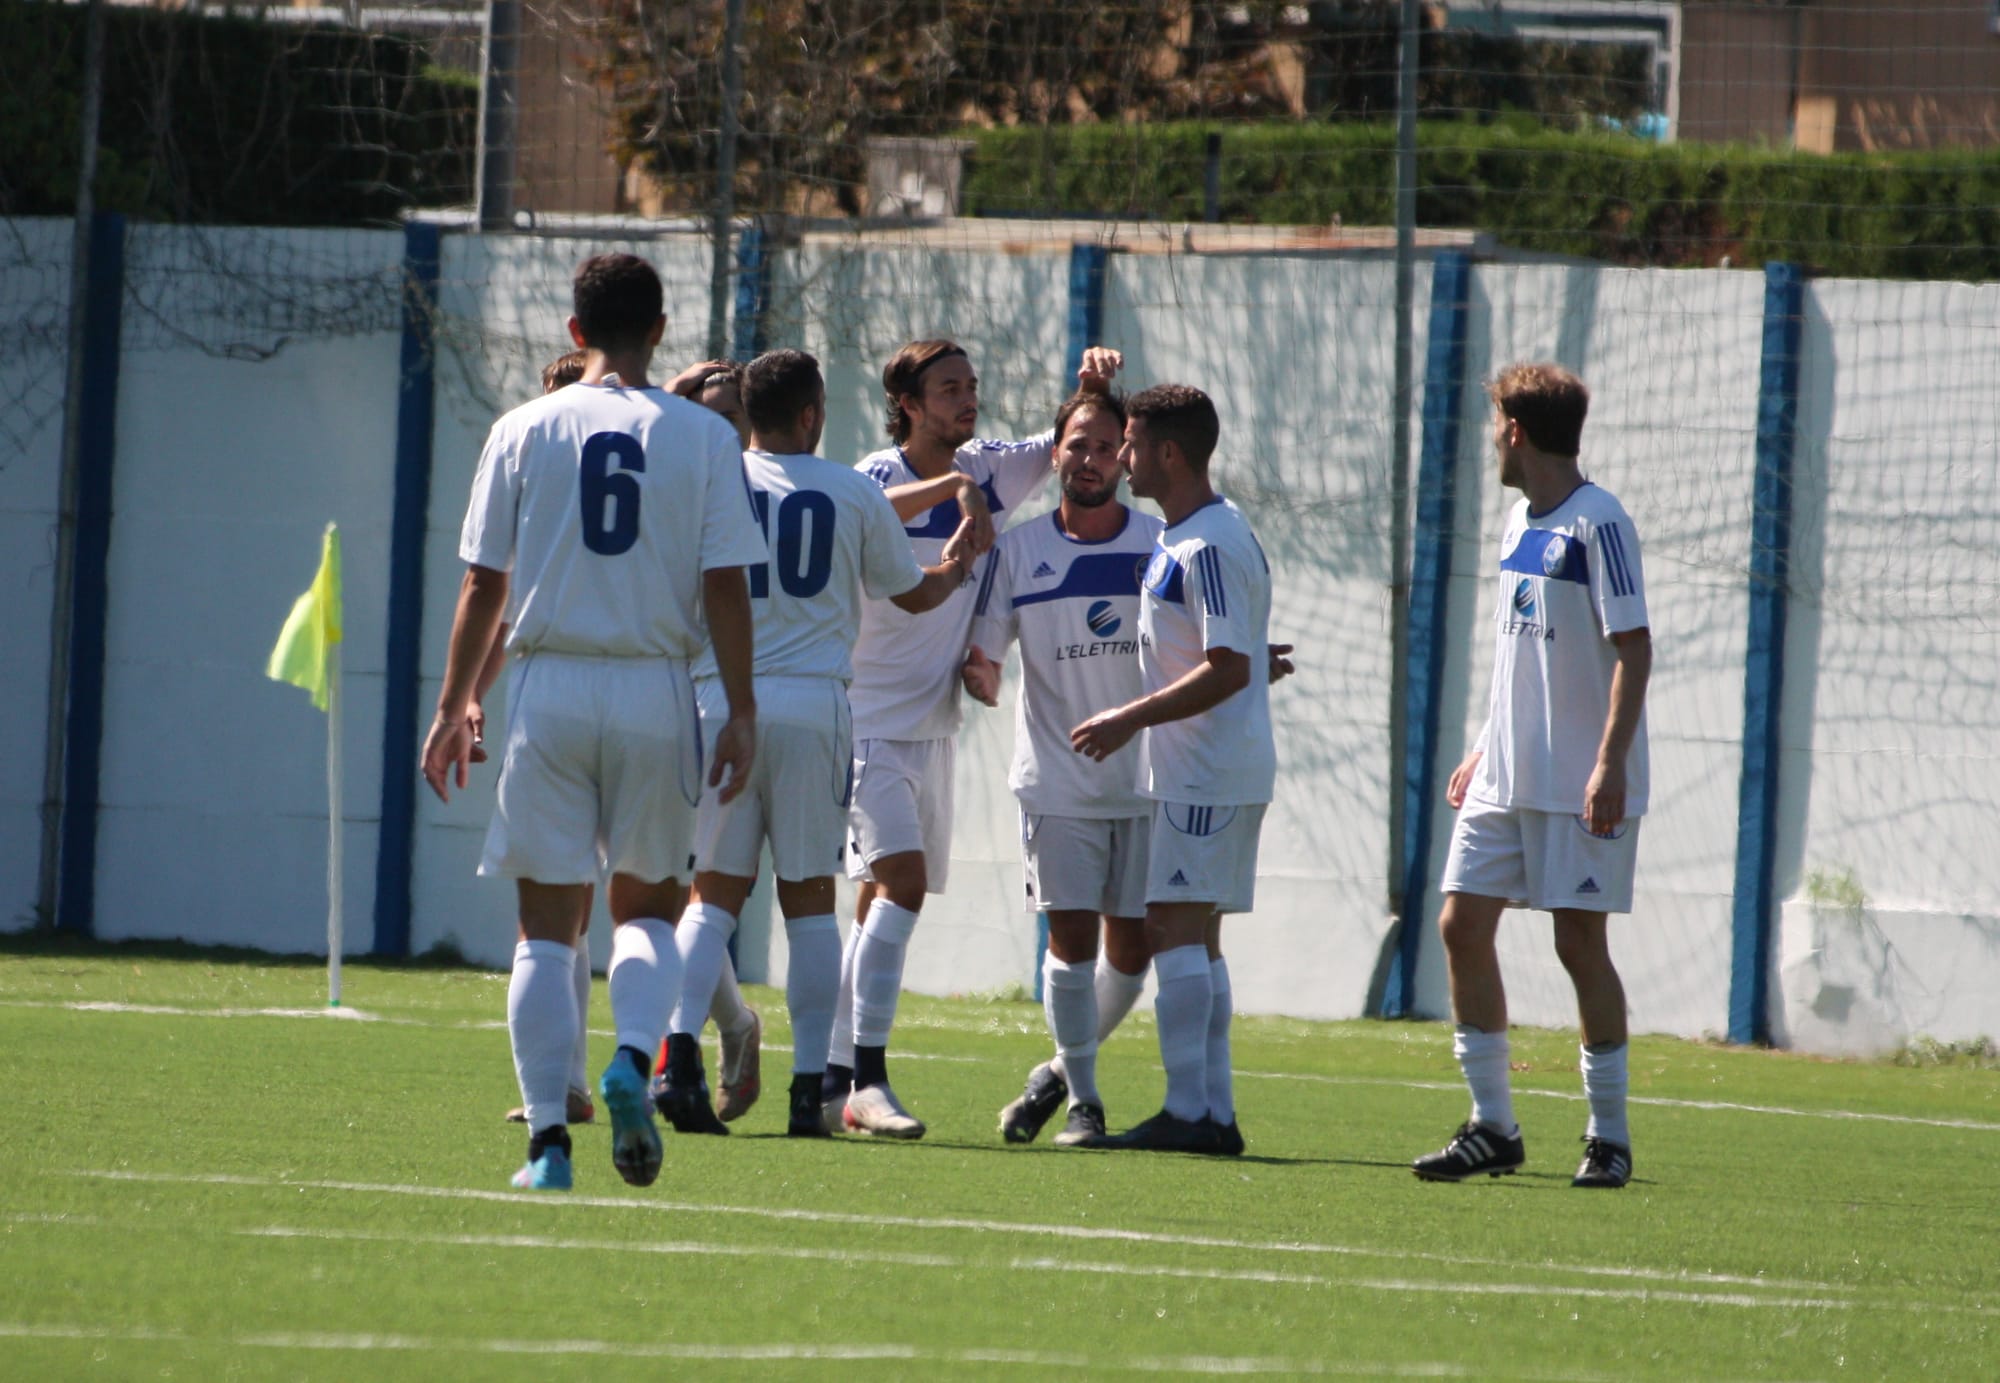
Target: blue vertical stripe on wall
[[90, 592], [1087, 264], [416, 399], [1764, 656], [1430, 581], [754, 259]]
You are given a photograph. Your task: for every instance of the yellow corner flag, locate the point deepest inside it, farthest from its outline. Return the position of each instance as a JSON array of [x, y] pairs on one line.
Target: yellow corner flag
[[312, 628]]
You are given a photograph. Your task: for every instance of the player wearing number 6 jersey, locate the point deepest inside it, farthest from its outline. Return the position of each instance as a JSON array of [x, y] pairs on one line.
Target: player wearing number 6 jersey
[[833, 538], [617, 515], [1550, 798], [905, 697]]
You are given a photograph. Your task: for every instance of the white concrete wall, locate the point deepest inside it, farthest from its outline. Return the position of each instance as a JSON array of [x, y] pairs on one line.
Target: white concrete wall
[[1672, 364], [34, 285], [241, 432]]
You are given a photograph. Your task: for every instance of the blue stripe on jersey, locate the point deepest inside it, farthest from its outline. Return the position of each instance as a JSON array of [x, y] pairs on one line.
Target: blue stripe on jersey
[[1092, 574], [986, 583], [1613, 542], [1213, 598], [942, 520], [1538, 554], [1164, 578]]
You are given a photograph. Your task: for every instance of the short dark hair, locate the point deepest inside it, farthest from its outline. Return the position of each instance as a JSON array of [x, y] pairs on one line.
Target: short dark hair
[[617, 298], [562, 372], [1110, 401], [904, 374], [780, 385], [1181, 414], [1547, 401]]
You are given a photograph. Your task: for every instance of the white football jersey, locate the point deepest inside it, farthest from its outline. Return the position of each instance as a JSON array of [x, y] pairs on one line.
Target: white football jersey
[[1208, 586], [606, 504], [833, 536], [906, 666], [1074, 606], [1569, 579]]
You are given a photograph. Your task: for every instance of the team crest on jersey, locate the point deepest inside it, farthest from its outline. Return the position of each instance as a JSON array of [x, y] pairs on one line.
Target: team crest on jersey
[[1524, 598], [1553, 554], [1102, 618]]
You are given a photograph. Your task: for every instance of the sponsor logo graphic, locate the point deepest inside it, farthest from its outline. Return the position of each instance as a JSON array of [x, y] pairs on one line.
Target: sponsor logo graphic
[[1042, 571], [1179, 880], [1588, 886], [1102, 619], [1553, 554], [1524, 598]]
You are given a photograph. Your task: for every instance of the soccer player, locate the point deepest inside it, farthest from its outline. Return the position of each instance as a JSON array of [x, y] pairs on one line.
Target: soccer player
[[905, 700], [834, 537], [716, 385], [1206, 757], [1550, 798], [1068, 587], [615, 514]]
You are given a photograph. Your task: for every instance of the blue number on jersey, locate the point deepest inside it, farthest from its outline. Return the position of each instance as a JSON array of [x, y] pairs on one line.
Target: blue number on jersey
[[804, 566], [610, 497]]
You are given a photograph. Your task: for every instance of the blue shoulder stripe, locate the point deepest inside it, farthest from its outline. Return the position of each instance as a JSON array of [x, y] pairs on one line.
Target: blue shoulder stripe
[[986, 580], [1213, 597], [1612, 540], [1092, 574]]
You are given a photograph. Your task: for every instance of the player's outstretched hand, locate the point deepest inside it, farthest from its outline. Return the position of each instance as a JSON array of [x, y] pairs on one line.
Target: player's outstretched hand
[[1281, 662], [1103, 735], [447, 752], [981, 676], [1460, 780], [688, 381], [1100, 366], [735, 747], [972, 505]]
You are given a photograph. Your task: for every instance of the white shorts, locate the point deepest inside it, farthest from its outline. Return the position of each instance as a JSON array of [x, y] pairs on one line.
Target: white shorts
[[902, 802], [1081, 864], [1202, 854], [1541, 860], [797, 793], [601, 772]]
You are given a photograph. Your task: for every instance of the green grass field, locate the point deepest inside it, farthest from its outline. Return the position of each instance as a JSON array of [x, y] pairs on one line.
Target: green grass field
[[208, 1177]]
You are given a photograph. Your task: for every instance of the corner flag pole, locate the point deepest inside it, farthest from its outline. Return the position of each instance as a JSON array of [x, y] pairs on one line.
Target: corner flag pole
[[334, 919]]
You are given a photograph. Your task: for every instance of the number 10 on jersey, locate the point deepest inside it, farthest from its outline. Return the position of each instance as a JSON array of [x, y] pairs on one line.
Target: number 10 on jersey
[[802, 551]]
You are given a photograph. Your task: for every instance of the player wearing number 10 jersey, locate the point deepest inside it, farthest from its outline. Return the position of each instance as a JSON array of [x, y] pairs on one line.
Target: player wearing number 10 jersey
[[617, 516], [834, 537]]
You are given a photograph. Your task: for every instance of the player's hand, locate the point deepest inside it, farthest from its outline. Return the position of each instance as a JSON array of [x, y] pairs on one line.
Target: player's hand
[[981, 676], [962, 547], [688, 382], [1281, 663], [447, 752], [1460, 780], [475, 717], [1100, 366], [1604, 798], [972, 504], [1103, 735], [735, 747]]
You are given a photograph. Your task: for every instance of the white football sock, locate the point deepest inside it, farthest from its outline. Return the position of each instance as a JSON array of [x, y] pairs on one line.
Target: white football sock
[[726, 1006], [541, 1024], [644, 979], [1221, 1092], [878, 971], [1116, 993], [579, 1065], [812, 984], [1069, 999], [1483, 1058], [702, 938], [1604, 1083], [840, 1046], [1181, 1009]]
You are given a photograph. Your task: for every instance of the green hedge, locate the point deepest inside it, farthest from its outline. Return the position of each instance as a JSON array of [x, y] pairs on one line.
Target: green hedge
[[230, 120], [1604, 196]]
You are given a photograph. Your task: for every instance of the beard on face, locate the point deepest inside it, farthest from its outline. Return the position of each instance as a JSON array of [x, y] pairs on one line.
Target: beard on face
[[1076, 493]]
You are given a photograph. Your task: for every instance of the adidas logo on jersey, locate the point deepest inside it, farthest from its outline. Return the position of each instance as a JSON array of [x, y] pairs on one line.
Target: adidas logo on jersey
[[1042, 570], [1179, 880], [1588, 886]]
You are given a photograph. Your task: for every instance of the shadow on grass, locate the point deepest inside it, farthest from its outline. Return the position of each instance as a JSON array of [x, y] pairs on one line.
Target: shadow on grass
[[42, 941]]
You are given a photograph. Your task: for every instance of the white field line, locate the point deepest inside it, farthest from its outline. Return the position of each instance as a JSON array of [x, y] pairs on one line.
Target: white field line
[[772, 1353], [1092, 1233], [1661, 1102], [1049, 1265]]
